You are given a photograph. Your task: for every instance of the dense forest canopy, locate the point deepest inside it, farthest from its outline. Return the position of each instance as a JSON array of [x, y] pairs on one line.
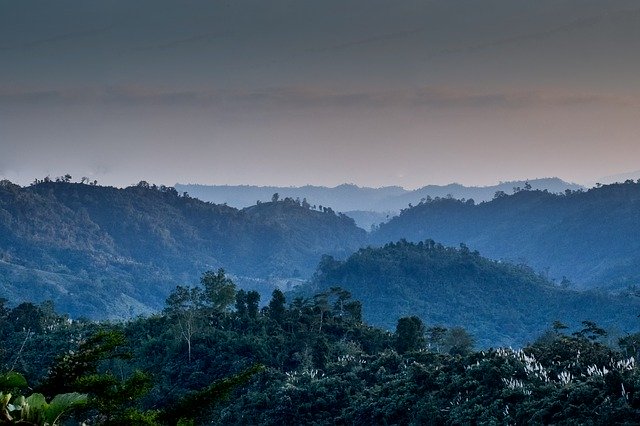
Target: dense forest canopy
[[96, 250], [214, 357], [588, 237], [501, 303]]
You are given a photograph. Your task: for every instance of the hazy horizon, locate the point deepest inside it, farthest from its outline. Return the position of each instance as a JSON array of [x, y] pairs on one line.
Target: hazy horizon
[[280, 93]]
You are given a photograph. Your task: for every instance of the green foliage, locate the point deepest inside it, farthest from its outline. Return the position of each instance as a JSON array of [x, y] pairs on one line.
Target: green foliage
[[114, 399], [195, 404], [457, 341], [499, 303], [314, 361], [34, 409], [276, 310], [409, 334], [218, 290], [12, 380], [84, 361]]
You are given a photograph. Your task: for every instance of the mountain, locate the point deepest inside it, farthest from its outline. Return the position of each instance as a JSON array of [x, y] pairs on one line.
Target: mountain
[[500, 303], [367, 206], [589, 237], [341, 198], [107, 252], [480, 193], [622, 177]]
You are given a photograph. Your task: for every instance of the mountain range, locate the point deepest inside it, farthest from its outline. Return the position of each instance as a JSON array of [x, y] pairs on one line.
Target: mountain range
[[368, 206], [585, 238], [104, 252], [108, 252]]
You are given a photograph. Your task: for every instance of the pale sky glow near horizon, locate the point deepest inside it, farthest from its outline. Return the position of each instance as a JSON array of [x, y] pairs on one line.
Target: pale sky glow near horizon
[[295, 92]]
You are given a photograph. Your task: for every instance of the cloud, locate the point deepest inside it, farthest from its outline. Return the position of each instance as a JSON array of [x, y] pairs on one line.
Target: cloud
[[57, 39], [198, 38], [310, 97], [381, 38], [578, 24]]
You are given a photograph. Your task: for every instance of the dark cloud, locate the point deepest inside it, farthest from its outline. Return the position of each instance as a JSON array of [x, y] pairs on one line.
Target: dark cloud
[[381, 38], [53, 40], [195, 39], [576, 25], [300, 97]]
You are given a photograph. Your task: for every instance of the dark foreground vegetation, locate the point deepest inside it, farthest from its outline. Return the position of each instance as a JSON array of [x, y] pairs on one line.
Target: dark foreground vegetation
[[213, 356]]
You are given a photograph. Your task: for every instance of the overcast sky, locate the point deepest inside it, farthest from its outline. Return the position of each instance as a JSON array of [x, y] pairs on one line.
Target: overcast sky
[[293, 92]]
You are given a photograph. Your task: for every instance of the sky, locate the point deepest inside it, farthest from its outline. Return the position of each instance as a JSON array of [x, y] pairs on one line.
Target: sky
[[294, 92]]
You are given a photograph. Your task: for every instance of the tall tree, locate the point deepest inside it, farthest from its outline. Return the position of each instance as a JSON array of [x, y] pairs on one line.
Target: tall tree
[[409, 334], [219, 290]]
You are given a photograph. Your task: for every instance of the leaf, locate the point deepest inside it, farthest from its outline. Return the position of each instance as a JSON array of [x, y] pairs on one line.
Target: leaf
[[36, 401], [63, 403], [12, 380], [31, 407], [4, 402]]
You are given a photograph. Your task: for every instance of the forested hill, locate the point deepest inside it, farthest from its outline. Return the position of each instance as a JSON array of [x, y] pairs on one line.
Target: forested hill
[[499, 303], [105, 251], [590, 237]]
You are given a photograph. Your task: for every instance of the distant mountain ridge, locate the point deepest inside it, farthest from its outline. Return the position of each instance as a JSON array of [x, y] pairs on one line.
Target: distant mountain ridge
[[367, 205], [105, 252], [108, 252]]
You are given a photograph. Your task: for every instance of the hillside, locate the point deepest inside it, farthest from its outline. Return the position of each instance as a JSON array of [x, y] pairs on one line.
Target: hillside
[[501, 304], [105, 251], [588, 237]]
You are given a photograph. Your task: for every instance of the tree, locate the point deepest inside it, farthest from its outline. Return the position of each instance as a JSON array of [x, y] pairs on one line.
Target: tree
[[409, 334], [253, 303], [590, 331], [275, 197], [277, 309], [435, 337], [27, 316], [184, 307], [219, 291], [499, 194], [195, 404], [458, 341], [241, 303]]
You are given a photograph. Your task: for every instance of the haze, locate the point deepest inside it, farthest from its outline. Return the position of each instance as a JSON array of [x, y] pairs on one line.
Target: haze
[[295, 92]]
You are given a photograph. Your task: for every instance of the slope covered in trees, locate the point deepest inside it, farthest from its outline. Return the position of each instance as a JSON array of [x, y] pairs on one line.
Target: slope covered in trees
[[498, 302], [105, 251], [588, 237], [213, 357]]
